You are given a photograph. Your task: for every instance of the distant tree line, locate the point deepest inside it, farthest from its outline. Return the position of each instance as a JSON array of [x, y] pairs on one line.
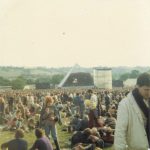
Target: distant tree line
[[50, 81], [41, 82], [132, 74]]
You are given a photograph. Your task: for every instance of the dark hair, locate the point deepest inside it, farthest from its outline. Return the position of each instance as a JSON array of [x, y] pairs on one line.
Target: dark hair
[[38, 133], [90, 91], [77, 115], [108, 115], [87, 132], [143, 79], [19, 134], [77, 94]]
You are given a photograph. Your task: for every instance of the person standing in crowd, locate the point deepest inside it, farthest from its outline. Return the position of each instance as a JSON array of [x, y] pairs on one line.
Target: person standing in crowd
[[133, 118], [11, 102], [93, 112], [107, 100], [2, 109], [50, 115], [16, 144], [76, 102], [79, 104], [42, 142]]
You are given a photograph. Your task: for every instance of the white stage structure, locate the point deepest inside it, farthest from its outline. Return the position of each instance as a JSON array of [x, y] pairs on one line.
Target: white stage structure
[[103, 78]]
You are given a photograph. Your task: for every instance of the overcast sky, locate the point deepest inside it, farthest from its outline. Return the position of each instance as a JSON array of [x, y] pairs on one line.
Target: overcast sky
[[55, 33]]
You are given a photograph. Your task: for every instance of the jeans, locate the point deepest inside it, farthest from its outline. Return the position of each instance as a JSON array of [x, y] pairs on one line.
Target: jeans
[[51, 129]]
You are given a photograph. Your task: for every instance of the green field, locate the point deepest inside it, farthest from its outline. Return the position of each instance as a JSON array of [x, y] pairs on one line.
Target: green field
[[63, 138]]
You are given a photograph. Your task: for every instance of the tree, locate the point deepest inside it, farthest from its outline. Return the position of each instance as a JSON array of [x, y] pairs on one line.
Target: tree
[[43, 83], [57, 78], [43, 80], [4, 82], [18, 83], [30, 81], [124, 77], [134, 74]]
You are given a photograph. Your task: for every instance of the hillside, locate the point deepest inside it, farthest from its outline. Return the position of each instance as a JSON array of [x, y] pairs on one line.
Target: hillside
[[12, 72]]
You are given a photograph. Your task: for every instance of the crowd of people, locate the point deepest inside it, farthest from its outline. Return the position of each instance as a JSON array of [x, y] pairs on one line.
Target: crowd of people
[[90, 115], [80, 110]]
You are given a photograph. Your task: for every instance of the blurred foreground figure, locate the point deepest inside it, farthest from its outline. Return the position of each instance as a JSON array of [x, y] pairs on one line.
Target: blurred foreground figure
[[133, 118], [16, 144], [42, 142]]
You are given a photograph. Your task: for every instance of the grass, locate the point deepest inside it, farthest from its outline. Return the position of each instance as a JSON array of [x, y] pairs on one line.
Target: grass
[[63, 138]]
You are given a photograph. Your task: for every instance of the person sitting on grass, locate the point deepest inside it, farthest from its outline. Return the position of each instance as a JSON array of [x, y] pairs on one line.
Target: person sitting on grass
[[110, 121], [42, 142], [16, 144]]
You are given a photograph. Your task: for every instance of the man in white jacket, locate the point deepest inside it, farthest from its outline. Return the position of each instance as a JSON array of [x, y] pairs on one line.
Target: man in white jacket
[[133, 118]]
